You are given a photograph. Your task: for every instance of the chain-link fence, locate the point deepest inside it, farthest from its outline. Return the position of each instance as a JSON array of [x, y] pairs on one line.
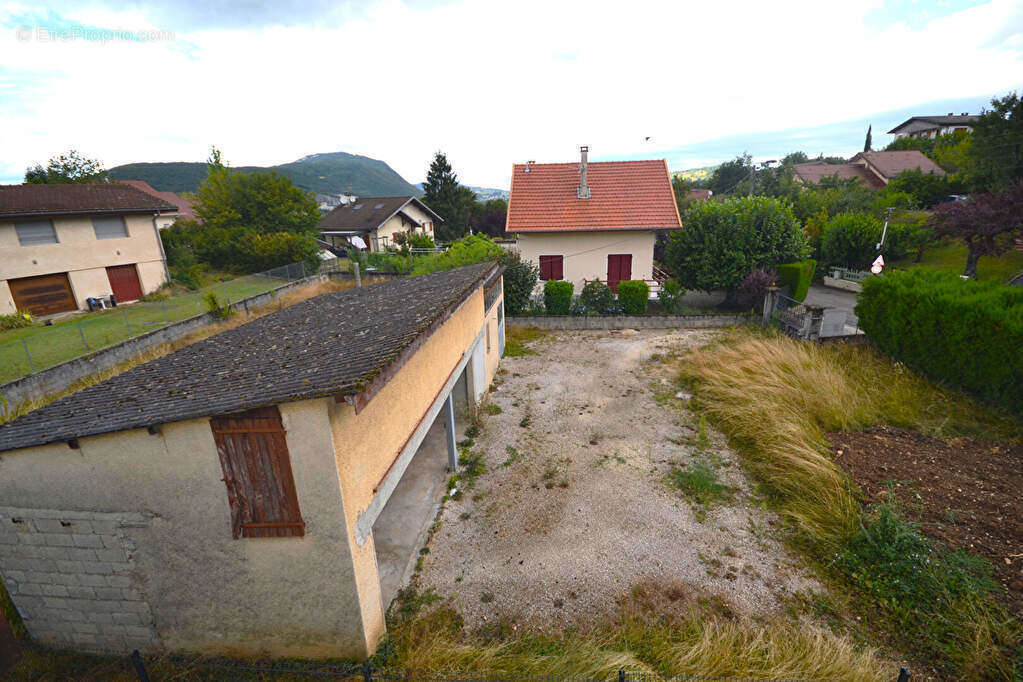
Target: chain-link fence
[[28, 350]]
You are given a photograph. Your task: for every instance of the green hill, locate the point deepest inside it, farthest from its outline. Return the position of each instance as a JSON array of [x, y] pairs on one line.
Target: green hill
[[332, 173]]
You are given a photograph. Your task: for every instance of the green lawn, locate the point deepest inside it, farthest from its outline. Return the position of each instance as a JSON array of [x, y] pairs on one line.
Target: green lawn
[[951, 256], [51, 345]]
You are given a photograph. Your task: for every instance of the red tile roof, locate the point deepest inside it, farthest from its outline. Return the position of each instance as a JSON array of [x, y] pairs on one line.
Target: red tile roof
[[44, 200], [624, 195], [184, 205], [890, 164], [815, 171]]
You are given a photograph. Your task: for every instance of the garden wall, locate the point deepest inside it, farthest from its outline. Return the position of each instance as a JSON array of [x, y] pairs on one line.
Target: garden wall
[[59, 377], [631, 321]]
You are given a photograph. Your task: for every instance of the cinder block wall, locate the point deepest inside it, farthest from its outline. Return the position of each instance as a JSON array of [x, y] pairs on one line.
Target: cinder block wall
[[69, 575]]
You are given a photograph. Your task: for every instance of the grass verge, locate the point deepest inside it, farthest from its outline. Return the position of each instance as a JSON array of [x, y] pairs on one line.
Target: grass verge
[[517, 340], [776, 398]]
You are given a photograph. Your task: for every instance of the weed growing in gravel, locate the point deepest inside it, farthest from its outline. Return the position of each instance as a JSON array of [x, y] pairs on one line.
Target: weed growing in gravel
[[526, 419], [492, 408], [472, 467], [513, 456], [518, 340], [556, 472], [699, 482]]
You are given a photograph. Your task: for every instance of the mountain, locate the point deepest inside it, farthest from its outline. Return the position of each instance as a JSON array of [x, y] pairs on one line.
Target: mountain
[[482, 193], [331, 173]]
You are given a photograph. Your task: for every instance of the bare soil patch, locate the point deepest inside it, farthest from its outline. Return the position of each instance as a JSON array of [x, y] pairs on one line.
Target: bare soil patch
[[574, 507], [966, 492]]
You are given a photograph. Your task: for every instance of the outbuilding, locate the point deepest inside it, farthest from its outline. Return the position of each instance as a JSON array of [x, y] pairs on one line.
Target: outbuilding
[[264, 491]]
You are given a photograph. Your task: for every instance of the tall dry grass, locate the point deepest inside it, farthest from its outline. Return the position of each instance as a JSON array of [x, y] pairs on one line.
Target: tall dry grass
[[237, 319]]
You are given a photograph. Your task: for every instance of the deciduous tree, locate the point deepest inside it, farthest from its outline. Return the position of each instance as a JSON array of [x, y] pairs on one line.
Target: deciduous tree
[[998, 144], [988, 223], [70, 168]]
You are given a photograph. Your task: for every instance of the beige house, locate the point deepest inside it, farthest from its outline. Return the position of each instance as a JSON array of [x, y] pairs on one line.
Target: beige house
[[262, 492], [587, 221], [932, 126], [62, 244], [377, 221]]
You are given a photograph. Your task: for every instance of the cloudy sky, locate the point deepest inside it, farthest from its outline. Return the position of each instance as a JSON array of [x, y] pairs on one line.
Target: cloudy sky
[[489, 83]]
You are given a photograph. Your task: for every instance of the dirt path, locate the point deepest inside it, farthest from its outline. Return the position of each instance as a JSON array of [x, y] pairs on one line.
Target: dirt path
[[574, 507]]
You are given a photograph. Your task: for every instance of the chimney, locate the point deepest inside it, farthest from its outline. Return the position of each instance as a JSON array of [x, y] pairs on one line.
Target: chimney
[[584, 189]]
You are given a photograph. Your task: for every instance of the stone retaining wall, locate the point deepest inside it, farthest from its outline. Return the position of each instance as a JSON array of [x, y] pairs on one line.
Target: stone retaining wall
[[631, 321]]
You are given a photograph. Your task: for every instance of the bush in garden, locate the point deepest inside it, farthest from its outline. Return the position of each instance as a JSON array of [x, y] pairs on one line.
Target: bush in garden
[[964, 333], [797, 277], [475, 248], [850, 240], [596, 298], [15, 320], [520, 278], [754, 287], [669, 295], [557, 297], [634, 295], [418, 240]]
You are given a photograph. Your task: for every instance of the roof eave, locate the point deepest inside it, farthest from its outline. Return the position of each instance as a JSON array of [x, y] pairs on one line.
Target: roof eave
[[531, 230], [111, 211]]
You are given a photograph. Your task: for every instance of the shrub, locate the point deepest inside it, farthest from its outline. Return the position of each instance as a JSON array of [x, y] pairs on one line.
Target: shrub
[[21, 318], [669, 295], [419, 240], [850, 240], [215, 307], [557, 297], [596, 298], [520, 278], [475, 248], [797, 277], [965, 333], [634, 295], [754, 288]]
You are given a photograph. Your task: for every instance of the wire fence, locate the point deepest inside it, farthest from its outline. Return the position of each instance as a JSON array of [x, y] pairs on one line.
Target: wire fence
[[28, 350]]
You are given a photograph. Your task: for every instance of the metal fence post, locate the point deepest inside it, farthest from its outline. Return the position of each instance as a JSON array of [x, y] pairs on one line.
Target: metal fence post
[[302, 267], [358, 278], [198, 305], [621, 675], [31, 365], [367, 672], [140, 668], [82, 334], [126, 322], [163, 306], [903, 675]]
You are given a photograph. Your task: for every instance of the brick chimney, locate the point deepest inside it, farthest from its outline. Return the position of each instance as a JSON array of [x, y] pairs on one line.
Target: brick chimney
[[584, 189]]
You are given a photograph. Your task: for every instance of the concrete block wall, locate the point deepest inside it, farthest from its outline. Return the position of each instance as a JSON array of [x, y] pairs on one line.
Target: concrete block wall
[[631, 321], [70, 575]]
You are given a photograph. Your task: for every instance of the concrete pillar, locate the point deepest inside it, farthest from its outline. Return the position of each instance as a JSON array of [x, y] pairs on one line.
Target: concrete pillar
[[449, 428], [770, 301]]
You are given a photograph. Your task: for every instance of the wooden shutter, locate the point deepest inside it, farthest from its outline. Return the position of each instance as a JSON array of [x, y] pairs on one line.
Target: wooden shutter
[[552, 267], [257, 471], [619, 269]]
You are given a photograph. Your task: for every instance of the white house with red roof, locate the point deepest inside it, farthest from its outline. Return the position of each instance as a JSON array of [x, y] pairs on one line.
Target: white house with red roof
[[585, 221]]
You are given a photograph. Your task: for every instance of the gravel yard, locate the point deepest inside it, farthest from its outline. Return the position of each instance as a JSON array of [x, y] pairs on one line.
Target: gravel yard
[[575, 504]]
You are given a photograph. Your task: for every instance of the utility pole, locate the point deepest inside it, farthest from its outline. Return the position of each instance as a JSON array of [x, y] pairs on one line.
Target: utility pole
[[752, 175], [884, 230]]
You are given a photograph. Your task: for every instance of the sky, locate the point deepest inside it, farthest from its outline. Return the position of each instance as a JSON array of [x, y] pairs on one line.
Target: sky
[[488, 83]]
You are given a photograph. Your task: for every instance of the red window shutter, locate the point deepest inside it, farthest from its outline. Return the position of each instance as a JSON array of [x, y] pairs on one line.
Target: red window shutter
[[552, 267], [257, 471]]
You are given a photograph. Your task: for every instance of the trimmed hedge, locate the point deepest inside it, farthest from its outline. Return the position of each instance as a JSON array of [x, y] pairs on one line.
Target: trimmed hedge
[[557, 297], [964, 333], [634, 295], [797, 277]]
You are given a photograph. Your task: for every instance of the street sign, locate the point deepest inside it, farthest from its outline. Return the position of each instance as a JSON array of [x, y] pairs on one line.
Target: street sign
[[877, 265]]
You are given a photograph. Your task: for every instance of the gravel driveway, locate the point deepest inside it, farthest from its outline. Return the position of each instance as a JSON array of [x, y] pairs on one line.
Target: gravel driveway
[[574, 507]]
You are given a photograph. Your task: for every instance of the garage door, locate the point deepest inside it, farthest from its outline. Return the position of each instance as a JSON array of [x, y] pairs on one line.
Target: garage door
[[43, 295], [124, 281]]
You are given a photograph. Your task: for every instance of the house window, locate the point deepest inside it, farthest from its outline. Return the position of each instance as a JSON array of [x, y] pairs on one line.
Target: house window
[[111, 227], [552, 267], [257, 471], [35, 232]]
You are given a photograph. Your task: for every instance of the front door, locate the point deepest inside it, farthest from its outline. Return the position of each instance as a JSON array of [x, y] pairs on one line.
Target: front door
[[619, 269], [124, 281]]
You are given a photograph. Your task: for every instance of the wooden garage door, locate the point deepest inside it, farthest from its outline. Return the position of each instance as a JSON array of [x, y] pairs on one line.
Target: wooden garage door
[[43, 295], [124, 281]]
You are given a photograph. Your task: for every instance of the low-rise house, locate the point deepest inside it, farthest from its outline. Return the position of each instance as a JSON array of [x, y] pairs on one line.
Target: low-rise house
[[700, 194], [186, 209], [62, 244], [262, 492], [586, 221], [932, 126], [874, 169], [378, 221]]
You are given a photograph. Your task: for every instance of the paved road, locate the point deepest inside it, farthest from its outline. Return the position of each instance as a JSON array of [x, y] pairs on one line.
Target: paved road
[[833, 298]]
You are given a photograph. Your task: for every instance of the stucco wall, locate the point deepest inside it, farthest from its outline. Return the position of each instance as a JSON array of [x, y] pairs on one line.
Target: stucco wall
[[585, 253], [398, 223], [367, 443], [493, 349], [206, 591], [82, 256]]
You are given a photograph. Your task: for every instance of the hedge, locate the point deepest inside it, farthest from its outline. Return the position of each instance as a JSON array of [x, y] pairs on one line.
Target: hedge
[[797, 277], [634, 295], [964, 333], [557, 297]]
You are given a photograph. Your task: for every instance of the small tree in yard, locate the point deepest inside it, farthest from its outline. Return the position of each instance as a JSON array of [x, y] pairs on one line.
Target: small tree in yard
[[987, 223], [724, 240], [520, 278]]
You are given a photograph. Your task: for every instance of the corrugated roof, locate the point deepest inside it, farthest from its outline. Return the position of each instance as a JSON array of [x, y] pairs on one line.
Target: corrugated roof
[[48, 200], [332, 344], [368, 213], [624, 195]]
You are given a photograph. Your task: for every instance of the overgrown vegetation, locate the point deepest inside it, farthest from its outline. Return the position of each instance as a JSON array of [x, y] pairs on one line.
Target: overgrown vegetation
[[776, 398], [908, 314], [518, 339], [16, 320]]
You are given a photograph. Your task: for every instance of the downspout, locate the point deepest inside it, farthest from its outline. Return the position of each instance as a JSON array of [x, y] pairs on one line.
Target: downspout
[[159, 241]]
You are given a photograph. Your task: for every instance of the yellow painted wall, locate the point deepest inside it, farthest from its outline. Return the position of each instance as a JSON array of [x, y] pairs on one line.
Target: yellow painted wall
[[367, 443], [586, 252], [493, 350], [82, 256]]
